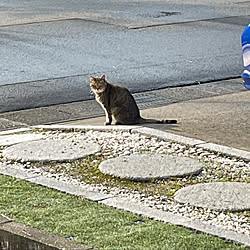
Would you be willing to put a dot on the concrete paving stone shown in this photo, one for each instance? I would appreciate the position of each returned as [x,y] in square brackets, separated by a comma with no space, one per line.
[148,166]
[7,140]
[50,150]
[222,196]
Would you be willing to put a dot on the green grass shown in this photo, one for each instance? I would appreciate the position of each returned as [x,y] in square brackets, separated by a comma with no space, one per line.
[93,224]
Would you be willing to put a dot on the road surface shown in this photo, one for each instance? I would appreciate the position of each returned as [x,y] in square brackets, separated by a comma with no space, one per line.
[50,48]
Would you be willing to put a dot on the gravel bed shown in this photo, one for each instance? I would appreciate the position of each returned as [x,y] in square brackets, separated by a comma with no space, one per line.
[117,143]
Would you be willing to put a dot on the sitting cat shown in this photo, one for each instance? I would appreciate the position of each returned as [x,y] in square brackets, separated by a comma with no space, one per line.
[118,102]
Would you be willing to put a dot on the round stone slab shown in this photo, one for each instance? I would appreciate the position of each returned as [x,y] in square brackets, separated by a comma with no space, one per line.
[222,196]
[140,167]
[50,150]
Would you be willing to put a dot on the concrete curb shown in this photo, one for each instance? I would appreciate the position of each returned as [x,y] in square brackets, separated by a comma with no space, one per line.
[53,183]
[238,153]
[87,127]
[15,131]
[124,203]
[37,236]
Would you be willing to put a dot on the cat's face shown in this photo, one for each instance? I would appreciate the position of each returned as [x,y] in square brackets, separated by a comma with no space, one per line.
[98,84]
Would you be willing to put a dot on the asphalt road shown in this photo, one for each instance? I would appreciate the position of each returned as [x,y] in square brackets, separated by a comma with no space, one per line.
[49,48]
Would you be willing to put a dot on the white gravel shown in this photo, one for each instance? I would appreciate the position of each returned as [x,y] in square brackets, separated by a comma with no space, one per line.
[218,168]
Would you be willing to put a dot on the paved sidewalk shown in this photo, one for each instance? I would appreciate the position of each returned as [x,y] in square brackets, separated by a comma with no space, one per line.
[221,119]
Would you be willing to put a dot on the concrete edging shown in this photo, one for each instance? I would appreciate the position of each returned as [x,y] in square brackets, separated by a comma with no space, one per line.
[156,133]
[38,236]
[15,131]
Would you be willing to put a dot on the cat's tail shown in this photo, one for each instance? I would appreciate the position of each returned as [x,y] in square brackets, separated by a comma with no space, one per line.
[144,120]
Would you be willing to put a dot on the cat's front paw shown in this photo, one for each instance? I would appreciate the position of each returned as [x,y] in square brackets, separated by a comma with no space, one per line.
[107,123]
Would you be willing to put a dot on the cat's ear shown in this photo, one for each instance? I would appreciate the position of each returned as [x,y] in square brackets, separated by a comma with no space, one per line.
[91,78]
[103,77]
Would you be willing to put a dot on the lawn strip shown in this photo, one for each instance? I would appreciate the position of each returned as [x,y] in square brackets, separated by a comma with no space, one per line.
[93,224]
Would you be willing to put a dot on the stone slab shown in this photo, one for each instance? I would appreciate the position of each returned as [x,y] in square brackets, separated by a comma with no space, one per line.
[149,166]
[222,196]
[7,140]
[51,150]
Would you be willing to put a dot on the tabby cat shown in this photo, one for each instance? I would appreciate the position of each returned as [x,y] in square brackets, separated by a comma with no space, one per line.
[118,102]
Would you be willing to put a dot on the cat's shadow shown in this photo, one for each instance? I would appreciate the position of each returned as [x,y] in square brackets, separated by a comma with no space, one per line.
[163,127]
